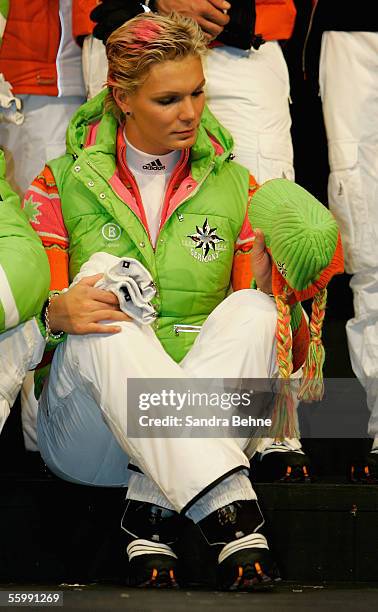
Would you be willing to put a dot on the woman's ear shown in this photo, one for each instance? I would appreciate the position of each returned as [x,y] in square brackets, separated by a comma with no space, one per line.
[122,100]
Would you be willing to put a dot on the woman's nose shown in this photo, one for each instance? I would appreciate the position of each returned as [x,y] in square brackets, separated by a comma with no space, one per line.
[187,110]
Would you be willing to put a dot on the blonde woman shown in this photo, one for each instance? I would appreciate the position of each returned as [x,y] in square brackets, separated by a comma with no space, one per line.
[148,174]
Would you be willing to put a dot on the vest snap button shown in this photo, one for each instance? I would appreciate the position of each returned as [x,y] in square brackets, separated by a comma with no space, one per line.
[77,168]
[90,183]
[142,244]
[102,196]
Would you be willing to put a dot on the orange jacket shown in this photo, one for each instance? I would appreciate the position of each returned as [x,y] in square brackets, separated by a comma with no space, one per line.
[274,18]
[81,24]
[31,40]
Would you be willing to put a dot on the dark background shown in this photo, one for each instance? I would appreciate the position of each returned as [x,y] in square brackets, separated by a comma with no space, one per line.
[330,458]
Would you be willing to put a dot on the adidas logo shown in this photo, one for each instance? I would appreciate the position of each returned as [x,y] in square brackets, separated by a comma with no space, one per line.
[154,165]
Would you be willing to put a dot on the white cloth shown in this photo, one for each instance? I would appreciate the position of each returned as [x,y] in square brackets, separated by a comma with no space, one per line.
[41,137]
[21,349]
[95,66]
[349,91]
[82,421]
[128,279]
[248,91]
[68,61]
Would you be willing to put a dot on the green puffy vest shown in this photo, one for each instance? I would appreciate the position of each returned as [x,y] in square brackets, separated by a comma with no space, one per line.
[24,267]
[191,278]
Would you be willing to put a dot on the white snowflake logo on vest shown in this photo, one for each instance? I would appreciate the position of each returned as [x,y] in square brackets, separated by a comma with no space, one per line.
[205,238]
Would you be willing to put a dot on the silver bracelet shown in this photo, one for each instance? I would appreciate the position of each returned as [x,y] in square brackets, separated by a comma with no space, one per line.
[49,333]
[271,295]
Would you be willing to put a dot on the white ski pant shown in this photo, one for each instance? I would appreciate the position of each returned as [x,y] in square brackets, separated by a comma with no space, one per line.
[349,91]
[82,420]
[41,137]
[248,91]
[21,349]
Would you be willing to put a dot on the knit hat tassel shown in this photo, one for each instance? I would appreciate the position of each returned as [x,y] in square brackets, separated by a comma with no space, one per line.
[284,416]
[312,385]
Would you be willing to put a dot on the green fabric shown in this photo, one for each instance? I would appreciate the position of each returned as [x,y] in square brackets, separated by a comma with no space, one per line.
[24,267]
[189,285]
[300,232]
[296,313]
[4,8]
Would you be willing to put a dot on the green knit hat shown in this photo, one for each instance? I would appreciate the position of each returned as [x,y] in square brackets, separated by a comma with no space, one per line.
[301,235]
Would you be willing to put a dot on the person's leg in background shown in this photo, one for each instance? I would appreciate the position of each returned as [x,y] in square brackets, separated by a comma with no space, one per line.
[21,349]
[349,91]
[41,136]
[249,91]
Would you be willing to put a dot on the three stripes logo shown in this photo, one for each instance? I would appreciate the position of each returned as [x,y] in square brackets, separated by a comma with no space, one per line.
[154,165]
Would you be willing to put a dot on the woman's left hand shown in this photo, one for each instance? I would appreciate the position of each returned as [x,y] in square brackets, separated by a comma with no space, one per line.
[261,263]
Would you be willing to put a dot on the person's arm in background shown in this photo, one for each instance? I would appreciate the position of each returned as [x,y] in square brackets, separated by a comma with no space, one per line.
[24,269]
[110,14]
[209,14]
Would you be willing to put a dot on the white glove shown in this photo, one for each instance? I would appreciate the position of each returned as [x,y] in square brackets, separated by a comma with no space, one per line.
[132,283]
[128,279]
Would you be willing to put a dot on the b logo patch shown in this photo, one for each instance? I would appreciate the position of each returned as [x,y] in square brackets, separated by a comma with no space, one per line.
[111,231]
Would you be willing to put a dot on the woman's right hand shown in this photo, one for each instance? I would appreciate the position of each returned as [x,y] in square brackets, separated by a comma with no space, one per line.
[79,310]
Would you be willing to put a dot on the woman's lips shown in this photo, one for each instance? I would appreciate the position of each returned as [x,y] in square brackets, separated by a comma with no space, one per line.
[185,132]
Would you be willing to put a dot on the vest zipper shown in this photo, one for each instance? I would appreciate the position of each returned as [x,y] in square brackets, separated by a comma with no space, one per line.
[59,53]
[199,185]
[186,329]
[307,37]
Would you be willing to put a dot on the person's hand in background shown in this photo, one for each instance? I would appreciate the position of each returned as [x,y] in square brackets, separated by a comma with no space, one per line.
[209,14]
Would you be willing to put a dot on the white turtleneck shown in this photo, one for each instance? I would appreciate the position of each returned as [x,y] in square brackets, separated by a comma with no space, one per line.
[152,174]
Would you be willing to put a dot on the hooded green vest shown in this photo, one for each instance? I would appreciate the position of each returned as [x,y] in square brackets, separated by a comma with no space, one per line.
[193,257]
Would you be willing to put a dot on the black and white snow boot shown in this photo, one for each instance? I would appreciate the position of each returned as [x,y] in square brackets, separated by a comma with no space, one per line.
[151,531]
[283,461]
[365,470]
[244,561]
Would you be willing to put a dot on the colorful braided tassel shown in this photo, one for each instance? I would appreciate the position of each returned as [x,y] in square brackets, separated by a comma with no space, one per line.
[312,385]
[284,416]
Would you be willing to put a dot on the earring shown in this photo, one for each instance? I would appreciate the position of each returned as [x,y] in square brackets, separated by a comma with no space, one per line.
[128,113]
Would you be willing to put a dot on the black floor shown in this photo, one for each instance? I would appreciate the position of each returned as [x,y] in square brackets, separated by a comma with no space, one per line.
[286,597]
